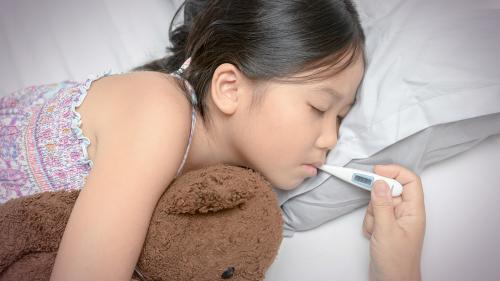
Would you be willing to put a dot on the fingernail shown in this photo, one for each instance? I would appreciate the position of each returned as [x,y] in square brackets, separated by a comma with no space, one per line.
[381,188]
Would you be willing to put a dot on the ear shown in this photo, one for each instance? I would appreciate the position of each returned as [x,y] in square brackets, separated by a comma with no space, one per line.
[227,88]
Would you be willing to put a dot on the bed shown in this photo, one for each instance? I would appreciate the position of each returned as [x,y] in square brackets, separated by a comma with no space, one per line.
[51,40]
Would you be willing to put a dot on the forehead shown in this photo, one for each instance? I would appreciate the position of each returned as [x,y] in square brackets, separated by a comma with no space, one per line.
[341,85]
[352,61]
[348,79]
[348,69]
[352,73]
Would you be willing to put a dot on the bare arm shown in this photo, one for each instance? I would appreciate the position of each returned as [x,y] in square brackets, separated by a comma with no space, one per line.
[136,160]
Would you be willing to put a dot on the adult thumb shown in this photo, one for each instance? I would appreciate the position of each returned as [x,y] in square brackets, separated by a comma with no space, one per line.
[383,207]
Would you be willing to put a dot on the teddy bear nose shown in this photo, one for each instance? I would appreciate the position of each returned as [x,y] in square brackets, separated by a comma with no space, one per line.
[228,273]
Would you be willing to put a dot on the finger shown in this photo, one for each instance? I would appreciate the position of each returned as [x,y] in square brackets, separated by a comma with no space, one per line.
[383,207]
[412,184]
[369,209]
[366,234]
[368,225]
[397,200]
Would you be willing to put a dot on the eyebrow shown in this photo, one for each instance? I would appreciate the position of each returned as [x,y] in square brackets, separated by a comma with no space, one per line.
[333,92]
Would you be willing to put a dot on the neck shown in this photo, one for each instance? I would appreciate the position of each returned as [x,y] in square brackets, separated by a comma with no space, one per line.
[210,147]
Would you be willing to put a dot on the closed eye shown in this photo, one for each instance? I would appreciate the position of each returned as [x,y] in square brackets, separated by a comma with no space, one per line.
[318,111]
[322,112]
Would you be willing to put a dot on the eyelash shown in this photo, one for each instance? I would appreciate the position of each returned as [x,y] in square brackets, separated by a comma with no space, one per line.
[321,112]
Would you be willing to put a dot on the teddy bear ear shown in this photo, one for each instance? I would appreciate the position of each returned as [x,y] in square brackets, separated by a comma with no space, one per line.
[211,189]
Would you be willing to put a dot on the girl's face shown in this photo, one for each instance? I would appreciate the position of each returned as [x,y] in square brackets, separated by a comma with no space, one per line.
[288,134]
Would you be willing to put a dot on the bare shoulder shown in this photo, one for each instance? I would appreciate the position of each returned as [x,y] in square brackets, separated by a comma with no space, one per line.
[143,112]
[125,96]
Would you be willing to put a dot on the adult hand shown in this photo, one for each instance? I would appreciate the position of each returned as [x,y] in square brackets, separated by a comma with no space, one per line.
[395,226]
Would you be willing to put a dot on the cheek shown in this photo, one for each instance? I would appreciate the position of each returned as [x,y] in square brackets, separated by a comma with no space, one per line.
[281,142]
[291,131]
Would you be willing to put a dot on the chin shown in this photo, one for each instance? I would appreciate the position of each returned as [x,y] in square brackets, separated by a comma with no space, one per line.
[287,181]
[290,185]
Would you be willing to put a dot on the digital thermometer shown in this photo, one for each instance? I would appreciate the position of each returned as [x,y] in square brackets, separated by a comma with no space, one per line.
[362,178]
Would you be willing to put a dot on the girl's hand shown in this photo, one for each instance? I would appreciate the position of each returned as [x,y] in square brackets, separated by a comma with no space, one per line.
[395,226]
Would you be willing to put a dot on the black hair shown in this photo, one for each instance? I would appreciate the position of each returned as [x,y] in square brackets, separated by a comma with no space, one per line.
[264,39]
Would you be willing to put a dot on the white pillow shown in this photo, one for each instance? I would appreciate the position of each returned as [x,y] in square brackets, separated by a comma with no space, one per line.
[431,91]
[429,62]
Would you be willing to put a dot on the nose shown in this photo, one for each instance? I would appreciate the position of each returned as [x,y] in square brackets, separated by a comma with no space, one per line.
[328,138]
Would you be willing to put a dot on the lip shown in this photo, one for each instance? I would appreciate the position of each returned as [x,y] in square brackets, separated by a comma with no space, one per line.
[312,170]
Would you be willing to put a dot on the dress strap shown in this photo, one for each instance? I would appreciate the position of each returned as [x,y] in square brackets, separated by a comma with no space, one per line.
[193,124]
[194,101]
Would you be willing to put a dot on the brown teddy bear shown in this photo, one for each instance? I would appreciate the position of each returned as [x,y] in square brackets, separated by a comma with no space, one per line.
[221,222]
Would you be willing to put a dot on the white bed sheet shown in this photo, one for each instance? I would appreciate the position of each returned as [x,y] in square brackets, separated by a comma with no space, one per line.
[52,40]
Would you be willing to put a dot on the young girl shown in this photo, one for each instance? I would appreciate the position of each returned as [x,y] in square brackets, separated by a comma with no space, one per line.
[260,84]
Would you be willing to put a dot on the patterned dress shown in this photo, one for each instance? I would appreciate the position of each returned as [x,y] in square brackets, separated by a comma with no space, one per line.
[42,147]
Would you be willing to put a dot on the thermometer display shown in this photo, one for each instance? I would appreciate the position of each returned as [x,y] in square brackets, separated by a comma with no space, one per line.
[362,179]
